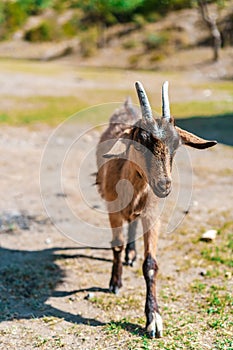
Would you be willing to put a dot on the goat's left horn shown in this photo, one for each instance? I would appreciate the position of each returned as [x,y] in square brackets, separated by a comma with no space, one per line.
[144,102]
[165,101]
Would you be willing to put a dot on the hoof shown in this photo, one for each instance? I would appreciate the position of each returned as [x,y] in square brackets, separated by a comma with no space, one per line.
[114,289]
[130,258]
[155,328]
[129,262]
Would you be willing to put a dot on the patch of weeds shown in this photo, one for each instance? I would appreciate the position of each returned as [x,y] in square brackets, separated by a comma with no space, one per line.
[224,344]
[218,323]
[222,252]
[40,341]
[198,286]
[114,327]
[214,272]
[109,302]
[217,302]
[51,320]
[217,254]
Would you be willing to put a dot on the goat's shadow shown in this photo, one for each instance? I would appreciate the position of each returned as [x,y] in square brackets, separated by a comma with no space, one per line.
[29,278]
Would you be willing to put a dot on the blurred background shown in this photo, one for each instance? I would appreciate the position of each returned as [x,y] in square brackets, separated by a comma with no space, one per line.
[59,56]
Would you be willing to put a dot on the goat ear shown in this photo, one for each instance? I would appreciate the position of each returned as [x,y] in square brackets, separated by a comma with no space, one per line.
[194,141]
[120,146]
[118,149]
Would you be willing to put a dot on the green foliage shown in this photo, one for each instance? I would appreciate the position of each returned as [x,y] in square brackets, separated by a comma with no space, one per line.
[14,13]
[111,10]
[89,41]
[72,26]
[33,7]
[46,31]
[155,40]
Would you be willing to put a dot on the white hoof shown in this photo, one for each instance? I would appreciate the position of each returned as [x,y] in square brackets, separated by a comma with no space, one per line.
[155,328]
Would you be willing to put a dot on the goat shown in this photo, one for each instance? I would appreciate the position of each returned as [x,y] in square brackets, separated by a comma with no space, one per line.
[139,150]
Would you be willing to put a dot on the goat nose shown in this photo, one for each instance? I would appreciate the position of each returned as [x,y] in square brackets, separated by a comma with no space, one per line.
[164,184]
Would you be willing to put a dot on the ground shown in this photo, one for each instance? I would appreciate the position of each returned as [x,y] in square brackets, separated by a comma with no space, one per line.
[53,290]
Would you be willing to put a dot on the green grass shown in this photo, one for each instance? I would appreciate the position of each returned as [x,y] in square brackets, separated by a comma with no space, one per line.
[53,110]
[30,67]
[19,110]
[200,108]
[216,86]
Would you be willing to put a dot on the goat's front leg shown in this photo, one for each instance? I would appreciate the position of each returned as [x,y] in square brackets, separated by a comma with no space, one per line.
[154,324]
[130,250]
[117,248]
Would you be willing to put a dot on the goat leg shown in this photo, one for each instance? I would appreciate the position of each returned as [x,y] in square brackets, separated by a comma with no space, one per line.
[117,248]
[115,282]
[130,250]
[154,324]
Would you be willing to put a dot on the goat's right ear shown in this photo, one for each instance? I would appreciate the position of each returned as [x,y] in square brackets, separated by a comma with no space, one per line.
[120,146]
[118,150]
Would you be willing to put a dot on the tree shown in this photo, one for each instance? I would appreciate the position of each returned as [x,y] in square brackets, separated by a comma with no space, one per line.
[210,20]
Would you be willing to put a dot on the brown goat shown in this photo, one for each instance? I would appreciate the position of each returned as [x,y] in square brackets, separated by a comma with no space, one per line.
[134,159]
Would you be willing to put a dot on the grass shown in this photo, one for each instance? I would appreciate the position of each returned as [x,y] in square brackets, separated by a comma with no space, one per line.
[43,109]
[29,67]
[95,86]
[201,108]
[54,110]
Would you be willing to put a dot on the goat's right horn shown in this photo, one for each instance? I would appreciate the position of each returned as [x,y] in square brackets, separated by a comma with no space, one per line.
[165,102]
[144,102]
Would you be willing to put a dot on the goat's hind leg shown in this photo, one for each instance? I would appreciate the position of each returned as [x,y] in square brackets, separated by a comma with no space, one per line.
[117,248]
[130,250]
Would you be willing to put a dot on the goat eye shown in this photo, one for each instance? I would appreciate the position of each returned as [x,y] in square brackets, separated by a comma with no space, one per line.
[144,135]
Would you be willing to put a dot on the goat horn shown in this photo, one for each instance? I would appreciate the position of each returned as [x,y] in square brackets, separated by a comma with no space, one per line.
[144,102]
[165,101]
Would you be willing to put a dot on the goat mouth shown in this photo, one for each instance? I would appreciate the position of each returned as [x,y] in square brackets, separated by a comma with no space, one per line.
[161,194]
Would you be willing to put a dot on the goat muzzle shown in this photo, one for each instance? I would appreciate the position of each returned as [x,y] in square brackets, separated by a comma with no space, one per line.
[162,188]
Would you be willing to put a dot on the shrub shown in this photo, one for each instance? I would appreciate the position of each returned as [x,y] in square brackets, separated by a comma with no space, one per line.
[155,41]
[12,16]
[72,26]
[46,31]
[129,44]
[88,42]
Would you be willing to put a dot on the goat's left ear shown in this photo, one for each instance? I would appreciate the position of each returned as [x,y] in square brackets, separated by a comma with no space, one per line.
[194,141]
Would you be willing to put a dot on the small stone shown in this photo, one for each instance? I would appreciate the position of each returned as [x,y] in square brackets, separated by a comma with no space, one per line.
[89,296]
[207,92]
[209,236]
[48,240]
[203,272]
[228,275]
